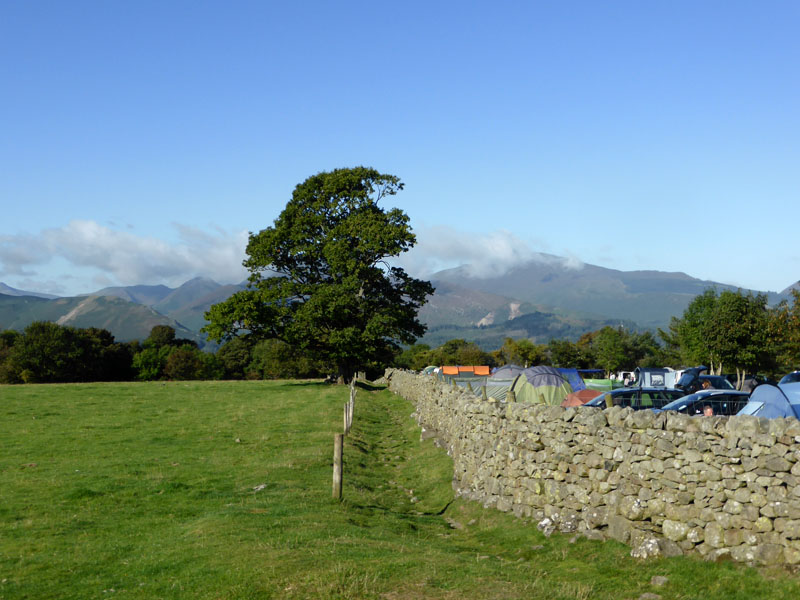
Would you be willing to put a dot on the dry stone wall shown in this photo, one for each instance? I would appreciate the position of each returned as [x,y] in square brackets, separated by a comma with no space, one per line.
[665,483]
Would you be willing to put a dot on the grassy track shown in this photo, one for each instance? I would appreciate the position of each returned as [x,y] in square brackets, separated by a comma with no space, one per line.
[222,490]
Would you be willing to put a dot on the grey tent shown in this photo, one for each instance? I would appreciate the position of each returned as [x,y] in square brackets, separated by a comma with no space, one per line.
[500,381]
[507,372]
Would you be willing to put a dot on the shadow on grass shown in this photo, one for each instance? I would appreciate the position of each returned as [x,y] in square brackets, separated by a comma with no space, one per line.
[410,514]
[369,386]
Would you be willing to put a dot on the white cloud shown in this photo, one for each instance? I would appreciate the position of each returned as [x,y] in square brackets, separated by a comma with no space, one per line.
[123,258]
[84,256]
[482,255]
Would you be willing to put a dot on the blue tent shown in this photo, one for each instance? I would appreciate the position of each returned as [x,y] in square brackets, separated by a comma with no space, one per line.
[574,378]
[774,401]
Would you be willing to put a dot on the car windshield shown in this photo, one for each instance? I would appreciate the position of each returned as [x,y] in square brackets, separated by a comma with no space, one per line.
[718,382]
[638,398]
[599,401]
[657,398]
[717,404]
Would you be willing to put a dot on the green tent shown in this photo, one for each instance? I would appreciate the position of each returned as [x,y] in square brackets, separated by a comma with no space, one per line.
[603,385]
[541,385]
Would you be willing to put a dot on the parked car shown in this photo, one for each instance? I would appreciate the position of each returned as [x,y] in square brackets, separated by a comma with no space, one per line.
[718,382]
[692,380]
[637,398]
[724,403]
[792,377]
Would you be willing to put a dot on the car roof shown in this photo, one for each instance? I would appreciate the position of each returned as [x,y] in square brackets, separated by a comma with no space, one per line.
[635,388]
[702,395]
[716,392]
[600,399]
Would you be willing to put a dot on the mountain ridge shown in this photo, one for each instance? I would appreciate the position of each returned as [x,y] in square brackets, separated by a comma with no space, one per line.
[543,298]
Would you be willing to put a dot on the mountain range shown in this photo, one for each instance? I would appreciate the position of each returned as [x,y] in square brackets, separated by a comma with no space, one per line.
[128,312]
[545,298]
[551,297]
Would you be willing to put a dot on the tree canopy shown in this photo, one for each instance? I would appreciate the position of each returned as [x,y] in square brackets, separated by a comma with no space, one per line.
[319,279]
[729,329]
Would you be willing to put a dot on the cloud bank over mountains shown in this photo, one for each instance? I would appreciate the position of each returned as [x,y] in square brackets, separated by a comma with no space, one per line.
[483,255]
[84,255]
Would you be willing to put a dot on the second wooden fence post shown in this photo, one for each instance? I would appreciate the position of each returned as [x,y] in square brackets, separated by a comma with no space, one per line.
[337,465]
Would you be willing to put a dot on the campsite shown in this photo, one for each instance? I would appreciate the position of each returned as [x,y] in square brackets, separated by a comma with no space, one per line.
[647,388]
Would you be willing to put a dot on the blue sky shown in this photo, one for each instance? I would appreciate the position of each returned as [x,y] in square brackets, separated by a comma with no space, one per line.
[141,141]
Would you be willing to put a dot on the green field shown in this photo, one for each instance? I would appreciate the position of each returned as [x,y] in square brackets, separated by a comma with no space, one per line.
[223,490]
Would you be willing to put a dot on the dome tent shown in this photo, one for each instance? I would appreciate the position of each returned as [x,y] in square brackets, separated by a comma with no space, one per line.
[541,385]
[509,372]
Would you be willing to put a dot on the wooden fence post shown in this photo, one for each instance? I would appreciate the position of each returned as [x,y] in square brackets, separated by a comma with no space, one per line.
[511,396]
[484,395]
[337,465]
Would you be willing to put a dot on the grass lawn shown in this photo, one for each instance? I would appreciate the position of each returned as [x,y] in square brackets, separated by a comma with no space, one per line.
[223,490]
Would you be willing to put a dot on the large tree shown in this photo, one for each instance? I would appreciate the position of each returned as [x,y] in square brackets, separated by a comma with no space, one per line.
[319,279]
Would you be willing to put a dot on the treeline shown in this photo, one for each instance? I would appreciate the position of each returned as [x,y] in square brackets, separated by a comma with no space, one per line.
[727,331]
[46,352]
[611,349]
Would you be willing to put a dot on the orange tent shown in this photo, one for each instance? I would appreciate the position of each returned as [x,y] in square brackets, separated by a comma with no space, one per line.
[482,371]
[449,370]
[580,397]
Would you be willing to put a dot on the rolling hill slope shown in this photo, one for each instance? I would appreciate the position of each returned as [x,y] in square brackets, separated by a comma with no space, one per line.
[125,320]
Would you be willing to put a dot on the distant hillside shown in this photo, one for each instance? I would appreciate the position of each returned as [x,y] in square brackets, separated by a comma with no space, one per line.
[539,327]
[455,304]
[129,312]
[787,292]
[125,320]
[187,294]
[10,291]
[648,298]
[141,294]
[192,312]
[189,303]
[186,304]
